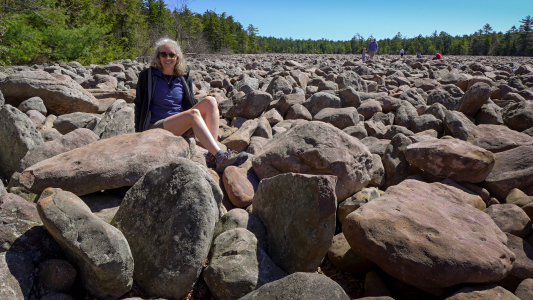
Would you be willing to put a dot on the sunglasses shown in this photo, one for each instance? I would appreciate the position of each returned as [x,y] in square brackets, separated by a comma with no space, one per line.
[165,55]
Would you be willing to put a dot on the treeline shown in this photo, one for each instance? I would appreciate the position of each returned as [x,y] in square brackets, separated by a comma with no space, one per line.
[515,41]
[99,31]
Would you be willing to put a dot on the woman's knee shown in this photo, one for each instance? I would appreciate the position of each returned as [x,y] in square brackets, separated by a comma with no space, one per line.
[194,113]
[211,101]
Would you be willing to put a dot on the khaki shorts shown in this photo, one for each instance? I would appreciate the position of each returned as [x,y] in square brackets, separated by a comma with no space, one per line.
[157,124]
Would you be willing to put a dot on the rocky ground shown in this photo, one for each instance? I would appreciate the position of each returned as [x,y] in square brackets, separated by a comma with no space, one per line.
[389,179]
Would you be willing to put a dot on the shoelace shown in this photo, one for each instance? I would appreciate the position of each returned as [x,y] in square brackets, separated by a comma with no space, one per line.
[227,155]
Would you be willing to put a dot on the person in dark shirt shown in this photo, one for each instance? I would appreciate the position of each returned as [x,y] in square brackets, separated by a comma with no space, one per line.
[170,104]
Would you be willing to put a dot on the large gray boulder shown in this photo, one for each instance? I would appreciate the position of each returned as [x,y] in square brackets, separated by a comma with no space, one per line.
[322,100]
[338,117]
[511,219]
[34,103]
[99,250]
[512,169]
[279,84]
[299,231]
[416,228]
[451,158]
[250,106]
[441,96]
[237,265]
[17,136]
[70,122]
[105,164]
[518,116]
[60,94]
[317,148]
[300,286]
[351,79]
[169,255]
[240,218]
[118,119]
[474,98]
[405,114]
[458,124]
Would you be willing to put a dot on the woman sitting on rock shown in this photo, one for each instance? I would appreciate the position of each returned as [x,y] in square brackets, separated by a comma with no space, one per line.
[165,100]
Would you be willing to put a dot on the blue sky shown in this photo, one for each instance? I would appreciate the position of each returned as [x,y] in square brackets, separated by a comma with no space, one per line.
[341,19]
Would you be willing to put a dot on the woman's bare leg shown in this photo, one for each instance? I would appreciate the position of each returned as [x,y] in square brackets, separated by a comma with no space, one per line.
[208,108]
[192,118]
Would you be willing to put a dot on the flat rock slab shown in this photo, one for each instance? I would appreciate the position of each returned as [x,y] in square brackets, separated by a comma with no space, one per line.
[300,286]
[317,148]
[416,228]
[60,94]
[298,211]
[497,138]
[99,250]
[169,217]
[451,158]
[106,164]
[512,169]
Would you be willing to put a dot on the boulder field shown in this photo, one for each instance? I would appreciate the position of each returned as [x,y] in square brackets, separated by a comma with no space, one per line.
[397,178]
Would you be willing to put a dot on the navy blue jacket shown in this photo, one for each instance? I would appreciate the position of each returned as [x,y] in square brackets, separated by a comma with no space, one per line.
[142,101]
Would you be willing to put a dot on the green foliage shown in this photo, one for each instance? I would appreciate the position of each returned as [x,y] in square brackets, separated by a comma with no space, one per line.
[99,31]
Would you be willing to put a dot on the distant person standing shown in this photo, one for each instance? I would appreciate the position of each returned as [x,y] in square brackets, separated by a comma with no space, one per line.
[401,53]
[373,48]
[364,54]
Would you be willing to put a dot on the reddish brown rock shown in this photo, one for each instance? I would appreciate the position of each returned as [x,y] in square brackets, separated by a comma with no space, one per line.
[489,291]
[416,228]
[451,158]
[497,138]
[511,219]
[523,265]
[240,185]
[474,98]
[240,140]
[512,169]
[106,164]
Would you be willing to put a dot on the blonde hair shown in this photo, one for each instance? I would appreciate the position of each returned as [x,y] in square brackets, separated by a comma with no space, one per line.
[181,66]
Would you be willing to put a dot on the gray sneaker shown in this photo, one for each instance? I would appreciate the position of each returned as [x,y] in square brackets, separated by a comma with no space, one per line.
[230,158]
[210,160]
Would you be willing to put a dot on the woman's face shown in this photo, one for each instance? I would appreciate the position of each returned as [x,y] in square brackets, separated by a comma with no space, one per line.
[168,62]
